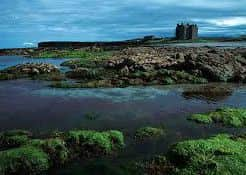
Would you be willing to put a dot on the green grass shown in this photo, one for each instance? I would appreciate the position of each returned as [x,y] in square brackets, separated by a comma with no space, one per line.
[233,117]
[71,53]
[79,57]
[218,155]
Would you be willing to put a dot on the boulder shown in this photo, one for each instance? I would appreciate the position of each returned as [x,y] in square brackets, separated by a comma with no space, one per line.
[31,69]
[82,73]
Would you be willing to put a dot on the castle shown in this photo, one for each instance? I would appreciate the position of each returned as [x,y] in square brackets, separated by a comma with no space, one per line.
[186,31]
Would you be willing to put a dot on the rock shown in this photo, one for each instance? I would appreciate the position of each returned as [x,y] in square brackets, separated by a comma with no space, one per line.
[149,133]
[180,56]
[82,73]
[147,67]
[23,154]
[216,67]
[35,71]
[214,64]
[232,117]
[208,92]
[31,69]
[124,71]
[221,154]
[143,58]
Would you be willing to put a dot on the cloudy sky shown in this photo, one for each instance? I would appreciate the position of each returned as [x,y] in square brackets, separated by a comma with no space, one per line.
[23,22]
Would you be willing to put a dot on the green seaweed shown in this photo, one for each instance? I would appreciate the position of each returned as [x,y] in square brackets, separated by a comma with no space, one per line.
[23,160]
[15,138]
[234,117]
[56,76]
[65,85]
[157,165]
[88,142]
[201,118]
[91,116]
[218,155]
[55,148]
[105,167]
[149,132]
[7,76]
[33,156]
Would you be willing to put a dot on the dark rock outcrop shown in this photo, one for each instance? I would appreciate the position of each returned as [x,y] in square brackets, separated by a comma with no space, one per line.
[31,69]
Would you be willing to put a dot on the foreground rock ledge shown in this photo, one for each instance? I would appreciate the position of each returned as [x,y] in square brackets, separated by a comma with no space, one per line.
[152,65]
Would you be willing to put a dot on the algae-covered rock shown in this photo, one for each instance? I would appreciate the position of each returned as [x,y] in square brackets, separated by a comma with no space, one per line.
[6,76]
[24,160]
[31,69]
[22,154]
[218,155]
[55,148]
[209,92]
[234,117]
[15,138]
[97,84]
[158,165]
[149,132]
[92,116]
[54,76]
[201,118]
[92,142]
[84,73]
[35,70]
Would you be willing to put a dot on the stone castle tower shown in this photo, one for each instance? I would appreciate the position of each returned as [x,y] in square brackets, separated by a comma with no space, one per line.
[186,31]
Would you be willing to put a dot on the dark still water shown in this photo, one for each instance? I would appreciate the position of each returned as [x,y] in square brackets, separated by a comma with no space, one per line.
[31,105]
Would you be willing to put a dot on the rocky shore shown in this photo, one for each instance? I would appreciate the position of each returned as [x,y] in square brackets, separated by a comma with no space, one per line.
[154,66]
[28,70]
[94,67]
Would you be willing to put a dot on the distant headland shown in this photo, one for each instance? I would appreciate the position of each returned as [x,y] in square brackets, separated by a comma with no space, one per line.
[185,33]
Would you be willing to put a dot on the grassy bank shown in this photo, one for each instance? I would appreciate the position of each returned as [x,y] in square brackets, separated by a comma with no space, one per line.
[71,53]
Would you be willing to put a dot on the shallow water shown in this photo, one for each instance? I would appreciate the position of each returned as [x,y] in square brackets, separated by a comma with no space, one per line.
[7,61]
[32,105]
[241,44]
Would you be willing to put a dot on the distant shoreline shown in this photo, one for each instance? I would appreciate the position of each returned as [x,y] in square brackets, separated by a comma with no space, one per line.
[135,42]
[145,41]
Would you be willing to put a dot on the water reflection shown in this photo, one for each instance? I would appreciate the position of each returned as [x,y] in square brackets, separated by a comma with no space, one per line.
[115,95]
[210,92]
[31,105]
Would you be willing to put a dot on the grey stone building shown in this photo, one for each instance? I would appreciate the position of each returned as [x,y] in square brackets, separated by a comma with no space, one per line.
[186,31]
